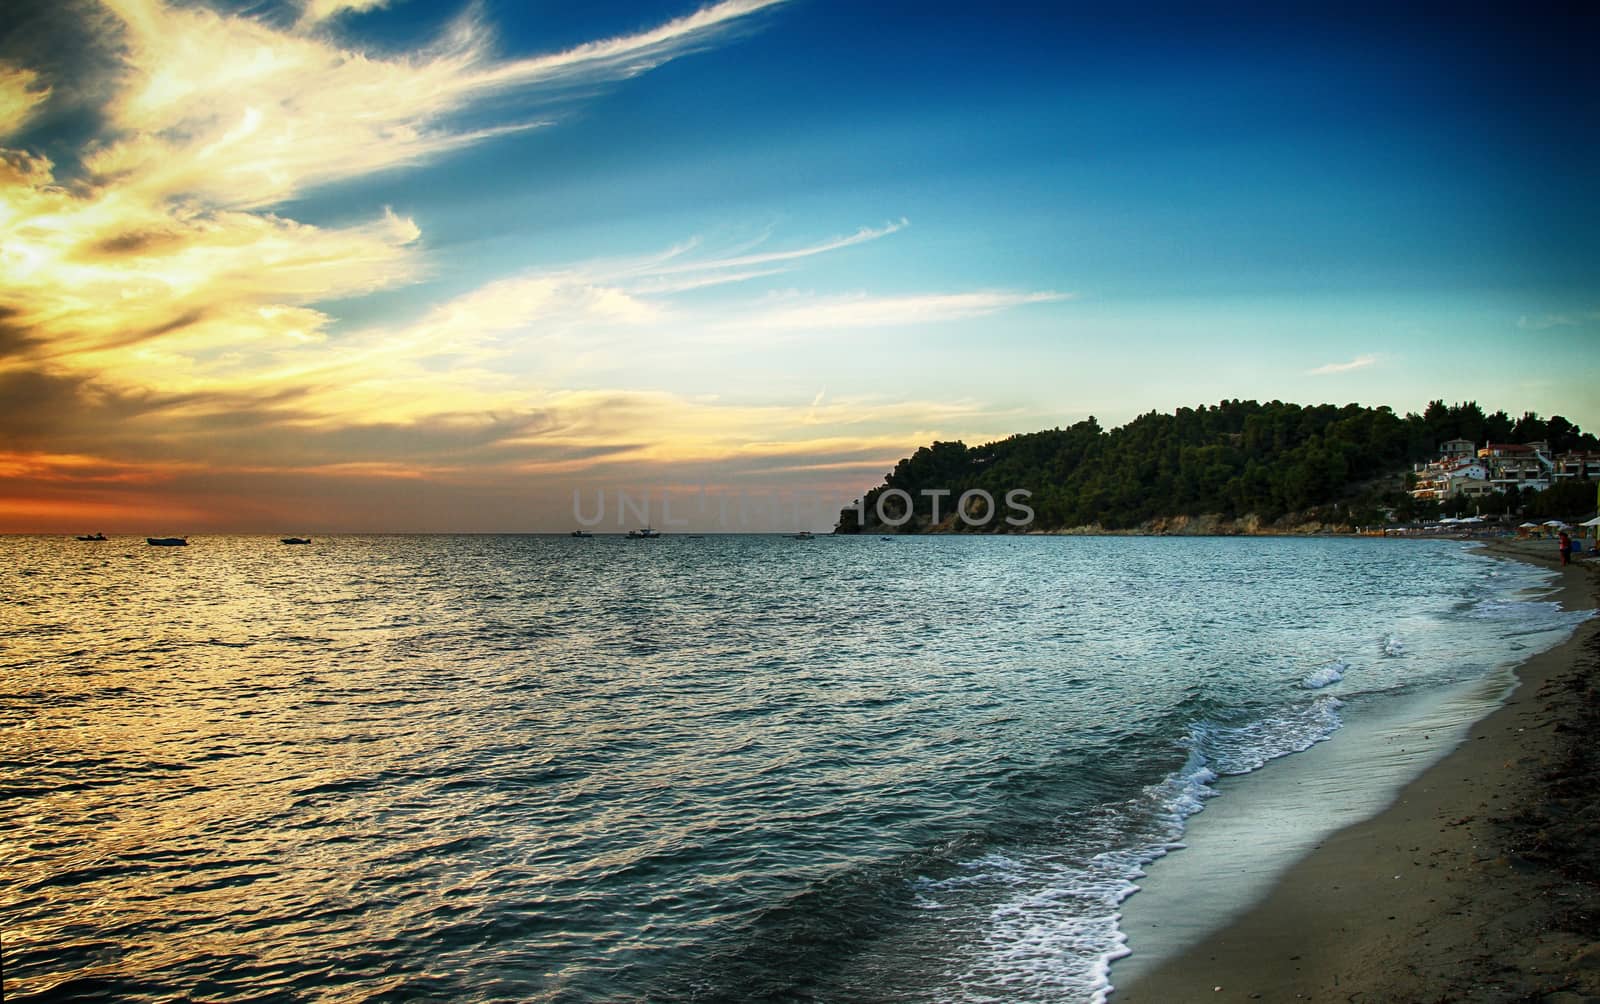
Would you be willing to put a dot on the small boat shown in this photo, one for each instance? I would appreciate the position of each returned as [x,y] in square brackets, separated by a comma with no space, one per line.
[582,533]
[167,541]
[94,536]
[644,533]
[803,535]
[296,540]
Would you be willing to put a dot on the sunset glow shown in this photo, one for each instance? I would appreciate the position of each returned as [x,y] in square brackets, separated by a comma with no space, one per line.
[263,264]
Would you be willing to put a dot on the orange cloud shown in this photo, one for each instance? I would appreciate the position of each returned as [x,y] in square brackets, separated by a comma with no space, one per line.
[166,332]
[21,95]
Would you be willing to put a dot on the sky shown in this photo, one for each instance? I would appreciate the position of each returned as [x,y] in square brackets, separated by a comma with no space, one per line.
[356,265]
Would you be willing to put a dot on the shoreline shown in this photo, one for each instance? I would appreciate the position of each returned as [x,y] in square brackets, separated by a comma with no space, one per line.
[1480,881]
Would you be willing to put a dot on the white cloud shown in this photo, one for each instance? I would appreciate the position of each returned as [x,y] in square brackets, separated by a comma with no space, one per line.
[1547,321]
[677,271]
[666,285]
[317,11]
[740,261]
[803,312]
[1358,363]
[94,272]
[243,114]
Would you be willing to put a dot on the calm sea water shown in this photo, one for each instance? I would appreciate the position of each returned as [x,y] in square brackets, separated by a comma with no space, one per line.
[733,768]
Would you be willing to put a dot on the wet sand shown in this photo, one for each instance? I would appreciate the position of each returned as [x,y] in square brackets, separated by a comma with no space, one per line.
[1480,883]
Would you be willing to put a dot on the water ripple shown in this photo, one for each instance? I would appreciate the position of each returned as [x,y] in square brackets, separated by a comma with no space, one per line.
[531,768]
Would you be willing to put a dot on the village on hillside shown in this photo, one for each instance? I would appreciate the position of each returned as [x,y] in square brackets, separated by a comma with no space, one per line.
[1464,472]
[1464,469]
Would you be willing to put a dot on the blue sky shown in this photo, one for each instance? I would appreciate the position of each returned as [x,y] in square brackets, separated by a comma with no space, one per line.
[1305,190]
[506,250]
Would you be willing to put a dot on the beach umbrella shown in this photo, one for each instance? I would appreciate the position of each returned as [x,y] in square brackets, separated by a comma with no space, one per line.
[1591,522]
[1530,526]
[1554,522]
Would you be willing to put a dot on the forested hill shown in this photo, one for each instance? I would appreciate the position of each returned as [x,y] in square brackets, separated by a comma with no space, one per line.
[1271,462]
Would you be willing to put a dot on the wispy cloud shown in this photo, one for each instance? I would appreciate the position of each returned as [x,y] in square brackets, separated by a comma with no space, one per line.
[794,311]
[687,283]
[687,266]
[162,231]
[743,261]
[1546,321]
[317,11]
[487,341]
[194,118]
[1358,363]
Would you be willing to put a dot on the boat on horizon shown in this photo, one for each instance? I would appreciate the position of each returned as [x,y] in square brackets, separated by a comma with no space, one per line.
[93,536]
[167,541]
[296,540]
[644,533]
[803,535]
[582,533]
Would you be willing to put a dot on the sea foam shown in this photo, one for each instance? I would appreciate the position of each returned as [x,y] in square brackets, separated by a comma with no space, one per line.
[1325,675]
[1055,927]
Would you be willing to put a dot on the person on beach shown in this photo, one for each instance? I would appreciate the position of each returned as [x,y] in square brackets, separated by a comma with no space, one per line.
[1565,547]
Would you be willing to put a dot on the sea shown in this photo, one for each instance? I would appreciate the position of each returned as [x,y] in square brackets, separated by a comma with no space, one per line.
[729,768]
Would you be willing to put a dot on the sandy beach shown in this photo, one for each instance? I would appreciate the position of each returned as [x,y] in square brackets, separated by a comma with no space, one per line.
[1481,882]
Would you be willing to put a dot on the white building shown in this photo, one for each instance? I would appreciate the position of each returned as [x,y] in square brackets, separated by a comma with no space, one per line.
[1498,467]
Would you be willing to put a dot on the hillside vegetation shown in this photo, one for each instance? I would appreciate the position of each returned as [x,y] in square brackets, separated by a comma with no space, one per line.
[1237,465]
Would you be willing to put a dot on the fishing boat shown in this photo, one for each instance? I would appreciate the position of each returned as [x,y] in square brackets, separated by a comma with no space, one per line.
[582,533]
[644,533]
[296,540]
[803,535]
[93,536]
[167,541]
